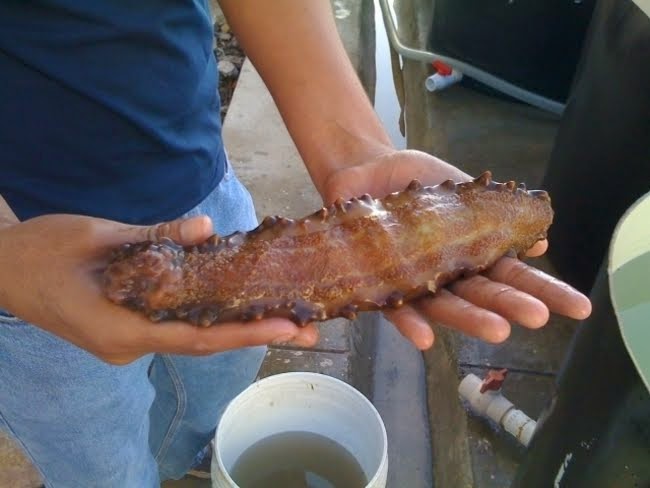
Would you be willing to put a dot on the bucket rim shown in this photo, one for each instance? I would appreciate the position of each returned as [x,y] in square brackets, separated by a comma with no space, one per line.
[302,375]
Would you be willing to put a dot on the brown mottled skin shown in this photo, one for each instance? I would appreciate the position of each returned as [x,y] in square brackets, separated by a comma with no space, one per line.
[359,255]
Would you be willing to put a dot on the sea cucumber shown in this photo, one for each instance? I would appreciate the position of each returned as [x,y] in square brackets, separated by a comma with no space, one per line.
[362,254]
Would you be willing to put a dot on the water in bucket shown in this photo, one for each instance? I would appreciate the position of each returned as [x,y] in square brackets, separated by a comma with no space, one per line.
[298,460]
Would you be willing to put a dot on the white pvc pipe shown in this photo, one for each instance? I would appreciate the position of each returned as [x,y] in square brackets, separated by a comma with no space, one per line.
[437,82]
[494,405]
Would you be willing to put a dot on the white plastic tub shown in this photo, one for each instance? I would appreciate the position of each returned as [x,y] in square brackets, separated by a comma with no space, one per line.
[300,401]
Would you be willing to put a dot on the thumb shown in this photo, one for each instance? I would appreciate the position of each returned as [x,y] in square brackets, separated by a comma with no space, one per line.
[539,248]
[186,232]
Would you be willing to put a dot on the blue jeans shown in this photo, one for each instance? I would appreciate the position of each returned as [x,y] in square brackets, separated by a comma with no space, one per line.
[85,423]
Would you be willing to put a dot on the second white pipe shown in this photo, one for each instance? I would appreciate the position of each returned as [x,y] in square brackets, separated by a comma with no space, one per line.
[494,405]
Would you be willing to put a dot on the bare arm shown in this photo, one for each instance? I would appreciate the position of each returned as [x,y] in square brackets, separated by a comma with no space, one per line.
[296,48]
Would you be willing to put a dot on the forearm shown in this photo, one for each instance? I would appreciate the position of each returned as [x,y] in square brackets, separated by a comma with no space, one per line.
[296,48]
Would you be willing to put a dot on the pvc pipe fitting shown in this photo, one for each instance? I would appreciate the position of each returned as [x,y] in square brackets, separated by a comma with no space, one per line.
[439,81]
[494,405]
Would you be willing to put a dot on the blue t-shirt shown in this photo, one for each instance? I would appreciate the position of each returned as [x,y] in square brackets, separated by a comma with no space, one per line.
[108,108]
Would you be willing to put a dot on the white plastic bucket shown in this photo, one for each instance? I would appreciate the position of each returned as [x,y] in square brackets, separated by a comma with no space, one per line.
[301,401]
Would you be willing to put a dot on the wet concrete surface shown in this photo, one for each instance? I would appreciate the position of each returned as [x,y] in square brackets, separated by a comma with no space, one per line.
[399,394]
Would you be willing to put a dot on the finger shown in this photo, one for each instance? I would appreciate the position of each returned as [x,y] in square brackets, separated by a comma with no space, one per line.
[558,296]
[138,333]
[456,313]
[182,338]
[539,248]
[307,336]
[510,303]
[184,231]
[124,332]
[187,232]
[412,326]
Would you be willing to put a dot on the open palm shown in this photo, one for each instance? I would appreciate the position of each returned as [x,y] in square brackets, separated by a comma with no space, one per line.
[482,306]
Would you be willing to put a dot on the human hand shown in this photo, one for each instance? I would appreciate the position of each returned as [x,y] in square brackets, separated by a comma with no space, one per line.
[51,268]
[481,306]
